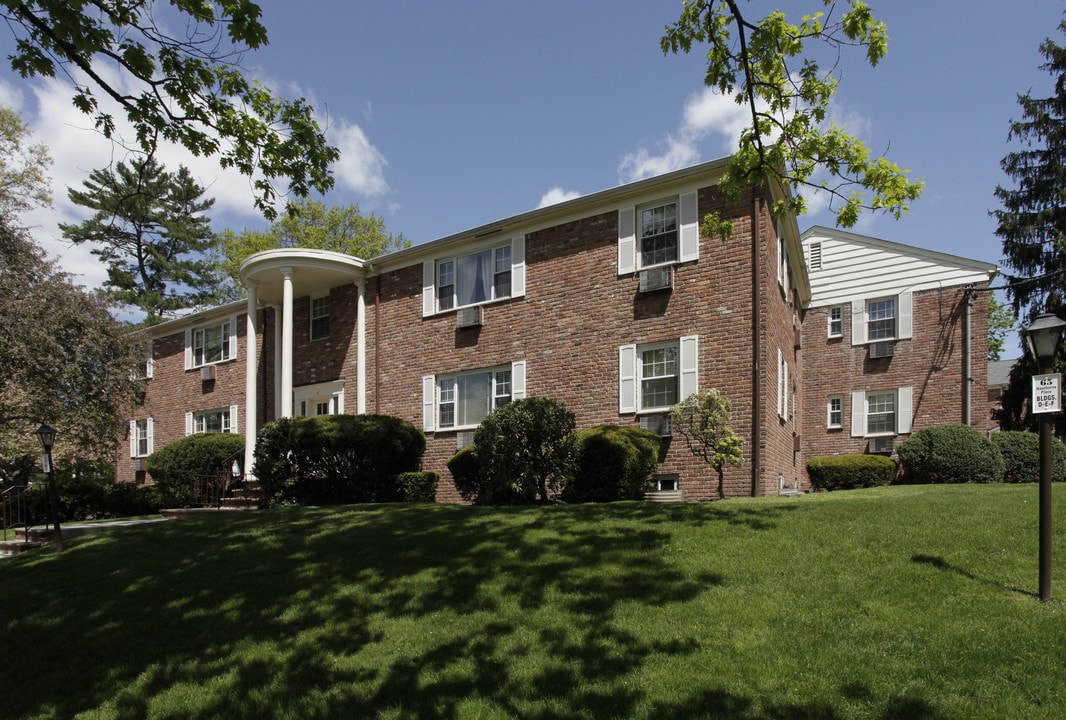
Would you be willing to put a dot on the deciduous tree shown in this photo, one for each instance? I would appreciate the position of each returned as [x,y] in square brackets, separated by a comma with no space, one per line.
[770,67]
[703,420]
[149,226]
[182,60]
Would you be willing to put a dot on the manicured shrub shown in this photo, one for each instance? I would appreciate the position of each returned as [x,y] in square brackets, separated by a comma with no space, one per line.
[614,463]
[336,458]
[525,451]
[952,453]
[419,486]
[180,465]
[1021,456]
[466,473]
[846,472]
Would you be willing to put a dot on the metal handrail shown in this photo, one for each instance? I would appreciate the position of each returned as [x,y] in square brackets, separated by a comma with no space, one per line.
[18,493]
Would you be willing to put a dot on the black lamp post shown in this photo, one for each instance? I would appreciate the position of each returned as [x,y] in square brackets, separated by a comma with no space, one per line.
[47,436]
[1043,336]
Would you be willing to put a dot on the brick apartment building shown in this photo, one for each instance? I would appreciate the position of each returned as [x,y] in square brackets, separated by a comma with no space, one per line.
[612,303]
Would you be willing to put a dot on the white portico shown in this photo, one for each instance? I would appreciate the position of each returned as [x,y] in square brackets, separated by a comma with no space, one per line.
[276,278]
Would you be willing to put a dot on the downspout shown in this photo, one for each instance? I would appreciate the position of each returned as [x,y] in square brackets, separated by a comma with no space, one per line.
[967,367]
[756,352]
[377,346]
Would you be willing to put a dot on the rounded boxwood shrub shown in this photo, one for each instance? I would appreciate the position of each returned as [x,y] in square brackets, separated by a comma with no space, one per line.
[176,468]
[953,453]
[846,472]
[336,458]
[614,463]
[466,473]
[1021,456]
[418,486]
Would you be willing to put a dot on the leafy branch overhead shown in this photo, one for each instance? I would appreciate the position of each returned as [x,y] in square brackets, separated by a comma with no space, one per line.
[185,87]
[770,67]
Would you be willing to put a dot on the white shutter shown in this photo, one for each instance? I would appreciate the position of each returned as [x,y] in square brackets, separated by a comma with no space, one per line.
[780,259]
[690,228]
[784,395]
[518,266]
[151,435]
[858,322]
[904,411]
[627,379]
[905,323]
[234,427]
[188,423]
[518,380]
[188,349]
[149,361]
[858,414]
[232,338]
[429,282]
[133,438]
[780,382]
[627,241]
[689,366]
[429,397]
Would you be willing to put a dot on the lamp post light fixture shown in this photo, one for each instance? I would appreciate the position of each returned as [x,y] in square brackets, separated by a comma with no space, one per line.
[47,436]
[1043,337]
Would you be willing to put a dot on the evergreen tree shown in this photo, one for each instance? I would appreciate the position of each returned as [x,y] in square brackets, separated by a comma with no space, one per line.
[1032,220]
[149,227]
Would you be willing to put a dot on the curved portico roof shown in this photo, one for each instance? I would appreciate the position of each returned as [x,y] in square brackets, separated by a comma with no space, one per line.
[312,271]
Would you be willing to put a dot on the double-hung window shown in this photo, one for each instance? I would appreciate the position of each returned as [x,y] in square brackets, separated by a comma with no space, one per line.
[881,412]
[835,410]
[655,377]
[209,344]
[658,235]
[881,319]
[222,420]
[476,278]
[462,400]
[836,321]
[141,432]
[320,317]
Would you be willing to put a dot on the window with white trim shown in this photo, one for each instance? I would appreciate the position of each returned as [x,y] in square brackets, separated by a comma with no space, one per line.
[211,344]
[141,440]
[658,234]
[146,367]
[320,317]
[836,321]
[783,387]
[835,412]
[881,319]
[884,412]
[473,279]
[319,399]
[462,400]
[223,420]
[656,376]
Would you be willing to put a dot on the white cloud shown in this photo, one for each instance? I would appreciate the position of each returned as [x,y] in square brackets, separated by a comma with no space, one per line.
[557,195]
[361,166]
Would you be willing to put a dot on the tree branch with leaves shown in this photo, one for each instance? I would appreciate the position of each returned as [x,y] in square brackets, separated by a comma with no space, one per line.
[703,420]
[189,89]
[769,66]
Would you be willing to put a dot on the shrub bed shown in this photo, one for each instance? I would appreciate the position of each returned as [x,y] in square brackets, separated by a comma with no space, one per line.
[952,453]
[1021,456]
[176,468]
[614,463]
[846,472]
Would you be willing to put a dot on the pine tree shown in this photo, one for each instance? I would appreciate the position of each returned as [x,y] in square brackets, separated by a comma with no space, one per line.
[149,227]
[1032,220]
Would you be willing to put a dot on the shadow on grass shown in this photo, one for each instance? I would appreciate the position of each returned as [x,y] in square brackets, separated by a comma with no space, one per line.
[941,564]
[399,612]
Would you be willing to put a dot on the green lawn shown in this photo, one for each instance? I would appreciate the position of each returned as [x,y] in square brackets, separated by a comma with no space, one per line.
[908,602]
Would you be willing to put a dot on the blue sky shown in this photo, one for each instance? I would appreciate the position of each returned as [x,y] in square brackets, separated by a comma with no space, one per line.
[451,115]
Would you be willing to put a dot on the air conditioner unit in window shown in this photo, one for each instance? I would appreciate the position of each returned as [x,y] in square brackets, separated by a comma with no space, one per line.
[469,317]
[463,439]
[658,424]
[882,445]
[138,464]
[882,349]
[656,279]
[207,372]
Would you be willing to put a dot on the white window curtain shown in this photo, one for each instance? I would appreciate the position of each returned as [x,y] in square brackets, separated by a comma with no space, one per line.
[474,274]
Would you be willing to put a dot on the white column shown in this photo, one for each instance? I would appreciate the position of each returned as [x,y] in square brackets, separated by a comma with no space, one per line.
[360,350]
[286,343]
[251,384]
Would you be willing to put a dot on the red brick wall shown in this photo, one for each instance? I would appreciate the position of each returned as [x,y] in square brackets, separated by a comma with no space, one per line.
[568,327]
[931,362]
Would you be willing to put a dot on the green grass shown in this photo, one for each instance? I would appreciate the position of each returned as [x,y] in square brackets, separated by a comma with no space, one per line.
[908,602]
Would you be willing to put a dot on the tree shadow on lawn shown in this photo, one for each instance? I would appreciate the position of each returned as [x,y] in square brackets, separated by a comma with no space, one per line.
[407,611]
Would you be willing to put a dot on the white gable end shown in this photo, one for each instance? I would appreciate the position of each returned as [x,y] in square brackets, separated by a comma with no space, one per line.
[853,266]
